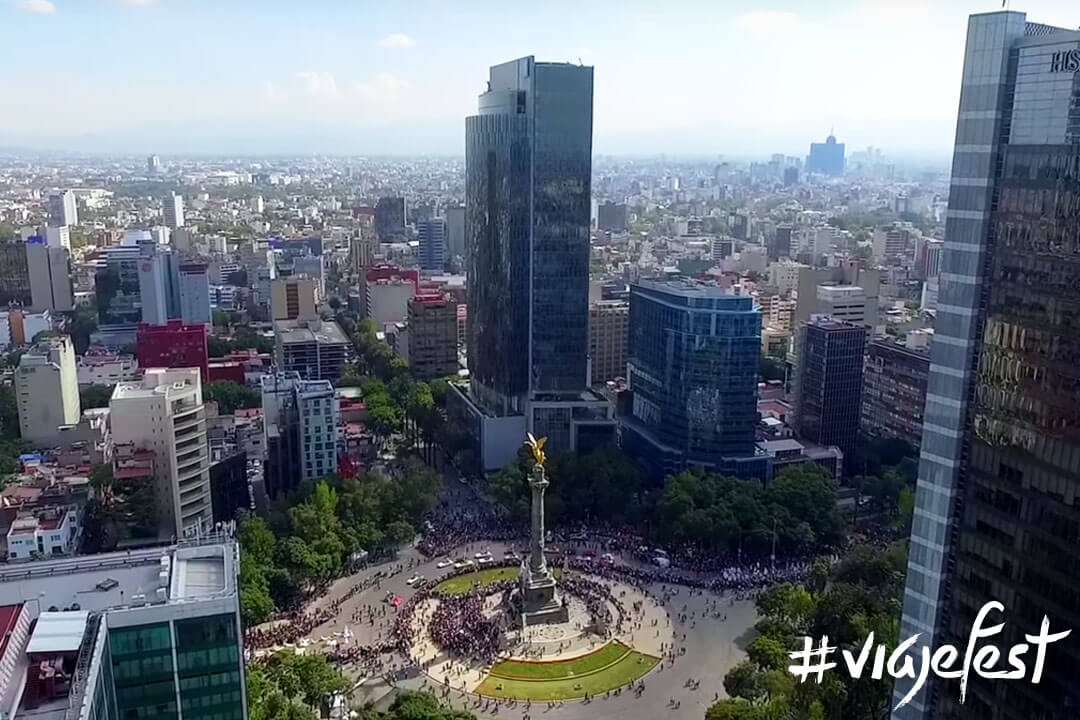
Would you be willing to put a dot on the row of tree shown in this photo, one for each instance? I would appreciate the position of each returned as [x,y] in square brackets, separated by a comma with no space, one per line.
[694,509]
[859,595]
[698,509]
[312,535]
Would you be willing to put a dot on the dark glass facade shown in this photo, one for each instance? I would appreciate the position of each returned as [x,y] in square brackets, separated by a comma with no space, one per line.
[116,285]
[693,370]
[208,668]
[830,383]
[894,391]
[497,160]
[14,275]
[389,218]
[143,672]
[996,505]
[528,186]
[229,487]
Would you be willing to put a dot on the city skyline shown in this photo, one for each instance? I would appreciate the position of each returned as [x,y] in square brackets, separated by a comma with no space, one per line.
[335,79]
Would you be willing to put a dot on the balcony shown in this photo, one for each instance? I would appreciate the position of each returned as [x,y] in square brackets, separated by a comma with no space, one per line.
[193,470]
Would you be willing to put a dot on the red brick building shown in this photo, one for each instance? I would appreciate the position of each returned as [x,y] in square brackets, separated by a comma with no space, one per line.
[174,345]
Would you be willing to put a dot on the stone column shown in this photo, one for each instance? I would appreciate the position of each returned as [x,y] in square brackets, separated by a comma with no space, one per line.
[537,482]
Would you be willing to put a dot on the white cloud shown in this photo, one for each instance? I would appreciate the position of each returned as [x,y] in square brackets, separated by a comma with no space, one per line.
[320,85]
[271,93]
[397,41]
[891,12]
[385,87]
[764,21]
[42,7]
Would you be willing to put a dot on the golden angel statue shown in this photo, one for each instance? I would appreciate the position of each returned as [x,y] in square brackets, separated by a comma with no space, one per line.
[536,447]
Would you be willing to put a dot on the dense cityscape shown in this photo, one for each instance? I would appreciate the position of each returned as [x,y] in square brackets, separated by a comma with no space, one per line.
[542,432]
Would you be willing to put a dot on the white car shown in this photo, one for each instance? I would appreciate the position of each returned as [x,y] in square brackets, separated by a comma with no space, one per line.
[442,564]
[462,564]
[482,555]
[413,580]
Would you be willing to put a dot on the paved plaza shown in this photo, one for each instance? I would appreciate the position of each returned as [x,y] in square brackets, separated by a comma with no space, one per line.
[699,636]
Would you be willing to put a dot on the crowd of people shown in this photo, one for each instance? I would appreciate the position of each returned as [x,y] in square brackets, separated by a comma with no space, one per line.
[288,628]
[460,627]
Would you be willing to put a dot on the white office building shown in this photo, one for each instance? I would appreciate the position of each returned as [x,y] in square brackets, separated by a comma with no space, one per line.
[174,211]
[164,414]
[47,390]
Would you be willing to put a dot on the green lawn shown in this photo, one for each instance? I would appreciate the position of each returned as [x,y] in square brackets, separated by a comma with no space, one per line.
[559,669]
[489,576]
[621,668]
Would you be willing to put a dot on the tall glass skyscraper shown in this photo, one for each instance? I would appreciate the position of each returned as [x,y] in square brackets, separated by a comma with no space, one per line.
[693,371]
[996,514]
[528,166]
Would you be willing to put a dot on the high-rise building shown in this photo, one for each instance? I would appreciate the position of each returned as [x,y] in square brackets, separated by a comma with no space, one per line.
[51,286]
[153,164]
[455,232]
[116,287]
[432,236]
[611,217]
[692,370]
[173,345]
[229,493]
[316,349]
[826,158]
[928,262]
[173,211]
[159,288]
[294,298]
[828,384]
[995,505]
[609,330]
[300,423]
[389,218]
[57,236]
[432,350]
[164,413]
[842,302]
[894,388]
[62,209]
[47,390]
[194,287]
[387,291]
[781,244]
[14,275]
[528,174]
[133,634]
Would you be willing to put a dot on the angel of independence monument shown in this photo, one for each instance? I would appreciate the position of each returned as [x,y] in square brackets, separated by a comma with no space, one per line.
[540,601]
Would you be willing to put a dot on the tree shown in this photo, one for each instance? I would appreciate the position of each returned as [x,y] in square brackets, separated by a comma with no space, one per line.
[9,414]
[772,369]
[95,396]
[82,323]
[744,681]
[232,396]
[423,706]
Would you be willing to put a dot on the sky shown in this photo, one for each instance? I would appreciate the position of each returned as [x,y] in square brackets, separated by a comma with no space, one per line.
[397,77]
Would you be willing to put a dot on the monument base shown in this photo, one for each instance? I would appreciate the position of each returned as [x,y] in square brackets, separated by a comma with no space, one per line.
[540,602]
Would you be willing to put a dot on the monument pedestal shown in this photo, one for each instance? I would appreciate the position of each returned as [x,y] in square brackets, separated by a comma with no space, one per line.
[540,603]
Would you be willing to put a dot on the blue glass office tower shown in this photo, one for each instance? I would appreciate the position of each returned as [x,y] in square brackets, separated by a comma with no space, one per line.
[528,168]
[693,372]
[996,505]
[826,158]
[431,235]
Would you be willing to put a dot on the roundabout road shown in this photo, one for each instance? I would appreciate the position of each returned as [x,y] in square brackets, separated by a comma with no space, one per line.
[712,646]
